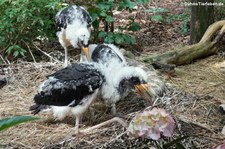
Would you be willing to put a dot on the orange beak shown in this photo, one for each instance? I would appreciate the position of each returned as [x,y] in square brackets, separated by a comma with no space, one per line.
[143,90]
[86,52]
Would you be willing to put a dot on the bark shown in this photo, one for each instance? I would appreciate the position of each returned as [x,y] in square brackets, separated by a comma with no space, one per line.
[208,45]
[201,17]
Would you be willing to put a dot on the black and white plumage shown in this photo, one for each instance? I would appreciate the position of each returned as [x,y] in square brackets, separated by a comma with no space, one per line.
[73,28]
[69,91]
[120,79]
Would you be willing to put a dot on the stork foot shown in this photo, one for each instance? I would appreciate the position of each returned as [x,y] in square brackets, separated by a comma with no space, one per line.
[65,64]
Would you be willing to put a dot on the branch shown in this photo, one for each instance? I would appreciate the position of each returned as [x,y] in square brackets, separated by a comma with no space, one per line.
[211,31]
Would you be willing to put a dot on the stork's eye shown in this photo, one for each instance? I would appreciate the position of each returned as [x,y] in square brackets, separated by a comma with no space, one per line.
[135,80]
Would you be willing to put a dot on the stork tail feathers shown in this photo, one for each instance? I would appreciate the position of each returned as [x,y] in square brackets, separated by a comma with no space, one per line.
[35,109]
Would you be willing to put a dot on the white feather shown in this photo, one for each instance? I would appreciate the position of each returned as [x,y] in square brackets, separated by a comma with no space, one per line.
[60,112]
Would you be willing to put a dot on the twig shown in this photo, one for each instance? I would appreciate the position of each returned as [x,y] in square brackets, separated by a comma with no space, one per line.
[8,62]
[210,109]
[115,119]
[116,138]
[30,51]
[3,59]
[46,54]
[185,120]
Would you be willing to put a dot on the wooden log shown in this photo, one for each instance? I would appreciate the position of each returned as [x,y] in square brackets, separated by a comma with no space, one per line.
[207,46]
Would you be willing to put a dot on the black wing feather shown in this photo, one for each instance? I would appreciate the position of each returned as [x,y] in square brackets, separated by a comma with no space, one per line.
[75,72]
[69,85]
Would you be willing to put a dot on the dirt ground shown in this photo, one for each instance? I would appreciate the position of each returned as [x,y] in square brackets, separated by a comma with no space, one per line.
[194,94]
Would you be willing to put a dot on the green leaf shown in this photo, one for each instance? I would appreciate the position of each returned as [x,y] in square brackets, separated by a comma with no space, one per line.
[102,14]
[109,19]
[126,4]
[129,39]
[170,144]
[109,38]
[142,1]
[157,10]
[15,53]
[180,146]
[184,27]
[12,121]
[157,18]
[22,53]
[95,24]
[94,16]
[102,34]
[118,38]
[134,27]
[105,5]
[41,22]
[9,50]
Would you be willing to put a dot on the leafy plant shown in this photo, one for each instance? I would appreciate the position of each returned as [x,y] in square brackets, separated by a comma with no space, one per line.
[185,16]
[159,17]
[12,121]
[157,14]
[23,21]
[102,14]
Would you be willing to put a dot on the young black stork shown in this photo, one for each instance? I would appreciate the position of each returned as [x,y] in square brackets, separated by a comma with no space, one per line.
[69,91]
[120,79]
[73,28]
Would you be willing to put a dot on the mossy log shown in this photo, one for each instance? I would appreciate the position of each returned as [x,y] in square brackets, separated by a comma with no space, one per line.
[208,45]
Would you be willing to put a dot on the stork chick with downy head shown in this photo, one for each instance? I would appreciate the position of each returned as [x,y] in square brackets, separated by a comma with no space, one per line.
[71,90]
[120,79]
[73,28]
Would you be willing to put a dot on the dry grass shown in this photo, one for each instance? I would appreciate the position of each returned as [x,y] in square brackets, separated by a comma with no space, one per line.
[204,80]
[17,97]
[194,102]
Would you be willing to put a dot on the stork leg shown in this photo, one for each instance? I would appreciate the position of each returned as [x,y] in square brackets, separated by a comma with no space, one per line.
[77,125]
[115,119]
[66,57]
[113,109]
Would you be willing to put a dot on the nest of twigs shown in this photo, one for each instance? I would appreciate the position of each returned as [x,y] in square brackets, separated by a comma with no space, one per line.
[197,115]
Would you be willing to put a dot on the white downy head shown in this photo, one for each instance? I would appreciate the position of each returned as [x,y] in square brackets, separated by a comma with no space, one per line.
[110,89]
[76,35]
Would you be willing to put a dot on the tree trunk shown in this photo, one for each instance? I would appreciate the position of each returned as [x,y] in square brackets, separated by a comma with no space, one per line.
[201,17]
[208,45]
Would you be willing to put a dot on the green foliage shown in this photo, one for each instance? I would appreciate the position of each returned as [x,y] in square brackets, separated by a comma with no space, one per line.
[102,15]
[23,21]
[12,121]
[16,50]
[185,16]
[157,14]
